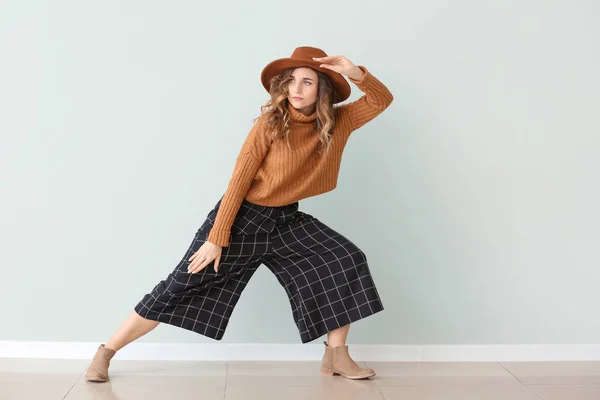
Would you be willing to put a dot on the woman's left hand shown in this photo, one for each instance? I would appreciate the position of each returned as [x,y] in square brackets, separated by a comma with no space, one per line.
[339,64]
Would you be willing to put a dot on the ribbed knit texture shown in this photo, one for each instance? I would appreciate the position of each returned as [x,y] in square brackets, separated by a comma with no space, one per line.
[270,174]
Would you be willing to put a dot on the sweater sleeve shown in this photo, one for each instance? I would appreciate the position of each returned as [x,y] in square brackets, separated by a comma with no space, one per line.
[375,99]
[247,164]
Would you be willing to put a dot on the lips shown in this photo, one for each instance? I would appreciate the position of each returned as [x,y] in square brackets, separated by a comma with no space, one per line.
[297,98]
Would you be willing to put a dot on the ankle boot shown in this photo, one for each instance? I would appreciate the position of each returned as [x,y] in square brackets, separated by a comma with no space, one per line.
[342,364]
[98,369]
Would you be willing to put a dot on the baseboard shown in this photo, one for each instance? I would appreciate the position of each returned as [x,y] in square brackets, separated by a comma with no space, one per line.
[303,352]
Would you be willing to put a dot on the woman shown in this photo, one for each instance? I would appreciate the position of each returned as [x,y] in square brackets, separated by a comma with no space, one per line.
[293,151]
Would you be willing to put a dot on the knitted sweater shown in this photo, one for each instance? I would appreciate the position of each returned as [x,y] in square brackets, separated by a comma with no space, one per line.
[269,174]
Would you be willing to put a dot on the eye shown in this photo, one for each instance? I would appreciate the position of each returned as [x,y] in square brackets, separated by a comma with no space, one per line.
[310,83]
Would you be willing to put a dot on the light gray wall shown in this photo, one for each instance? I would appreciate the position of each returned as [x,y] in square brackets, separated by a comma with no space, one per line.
[475,195]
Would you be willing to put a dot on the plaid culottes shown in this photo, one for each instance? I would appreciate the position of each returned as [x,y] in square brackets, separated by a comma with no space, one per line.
[325,275]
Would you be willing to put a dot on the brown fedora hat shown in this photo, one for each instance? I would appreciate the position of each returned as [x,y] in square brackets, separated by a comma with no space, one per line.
[303,57]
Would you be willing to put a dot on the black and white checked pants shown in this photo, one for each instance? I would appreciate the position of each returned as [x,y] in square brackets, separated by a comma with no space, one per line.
[325,275]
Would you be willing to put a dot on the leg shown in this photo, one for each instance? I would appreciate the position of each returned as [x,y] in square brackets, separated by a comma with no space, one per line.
[329,286]
[201,302]
[325,275]
[131,329]
[337,359]
[337,337]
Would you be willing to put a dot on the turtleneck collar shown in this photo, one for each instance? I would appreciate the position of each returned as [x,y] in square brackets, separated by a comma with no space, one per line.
[297,116]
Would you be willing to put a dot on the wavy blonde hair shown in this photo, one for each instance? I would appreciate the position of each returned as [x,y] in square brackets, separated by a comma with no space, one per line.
[277,117]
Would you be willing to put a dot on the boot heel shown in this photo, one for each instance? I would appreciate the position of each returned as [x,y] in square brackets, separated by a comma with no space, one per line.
[326,373]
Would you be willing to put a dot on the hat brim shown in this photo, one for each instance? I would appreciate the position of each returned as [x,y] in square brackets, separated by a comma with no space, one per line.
[342,87]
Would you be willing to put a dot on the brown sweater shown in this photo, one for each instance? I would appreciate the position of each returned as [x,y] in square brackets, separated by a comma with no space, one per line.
[269,174]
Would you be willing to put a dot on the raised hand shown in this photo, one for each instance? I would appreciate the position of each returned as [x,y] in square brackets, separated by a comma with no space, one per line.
[339,64]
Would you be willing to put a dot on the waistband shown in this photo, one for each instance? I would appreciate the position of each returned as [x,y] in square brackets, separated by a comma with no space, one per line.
[254,205]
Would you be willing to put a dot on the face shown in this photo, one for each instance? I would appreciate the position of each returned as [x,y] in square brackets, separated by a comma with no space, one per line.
[303,89]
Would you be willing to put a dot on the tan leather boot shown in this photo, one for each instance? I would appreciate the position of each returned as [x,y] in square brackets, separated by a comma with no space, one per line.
[343,364]
[98,369]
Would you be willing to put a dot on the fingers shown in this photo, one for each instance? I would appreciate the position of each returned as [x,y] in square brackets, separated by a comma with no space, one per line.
[202,258]
[196,254]
[333,63]
[200,261]
[326,58]
[197,267]
[194,265]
